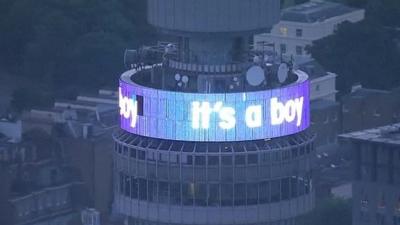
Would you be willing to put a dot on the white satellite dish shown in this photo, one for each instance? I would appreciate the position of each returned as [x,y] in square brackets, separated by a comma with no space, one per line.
[283,72]
[185,79]
[177,77]
[255,75]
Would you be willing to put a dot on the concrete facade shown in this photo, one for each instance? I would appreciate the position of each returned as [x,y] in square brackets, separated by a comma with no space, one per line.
[376,186]
[302,24]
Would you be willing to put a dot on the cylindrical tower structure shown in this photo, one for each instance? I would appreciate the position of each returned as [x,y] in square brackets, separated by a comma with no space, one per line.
[208,136]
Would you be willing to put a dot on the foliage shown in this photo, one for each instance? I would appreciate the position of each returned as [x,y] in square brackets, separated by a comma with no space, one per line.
[26,98]
[329,212]
[367,52]
[67,43]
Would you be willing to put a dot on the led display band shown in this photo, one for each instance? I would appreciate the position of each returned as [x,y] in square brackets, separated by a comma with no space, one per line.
[214,116]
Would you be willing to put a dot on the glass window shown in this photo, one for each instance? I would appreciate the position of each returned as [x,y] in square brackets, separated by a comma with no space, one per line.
[294,152]
[141,155]
[126,150]
[200,160]
[266,157]
[293,186]
[252,193]
[226,194]
[187,193]
[276,156]
[176,193]
[134,188]
[226,160]
[252,159]
[163,192]
[285,155]
[132,153]
[152,191]
[142,189]
[120,149]
[302,149]
[201,194]
[240,159]
[213,160]
[213,196]
[284,31]
[190,160]
[285,189]
[275,191]
[264,192]
[299,32]
[240,194]
[299,50]
[121,183]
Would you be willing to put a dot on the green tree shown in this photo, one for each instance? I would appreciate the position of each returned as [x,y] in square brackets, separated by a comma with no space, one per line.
[64,43]
[361,52]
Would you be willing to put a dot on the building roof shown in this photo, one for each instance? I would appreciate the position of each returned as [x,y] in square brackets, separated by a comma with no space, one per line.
[361,92]
[312,68]
[315,11]
[385,135]
[323,104]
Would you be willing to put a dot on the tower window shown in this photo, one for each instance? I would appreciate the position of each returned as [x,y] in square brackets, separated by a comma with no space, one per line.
[299,32]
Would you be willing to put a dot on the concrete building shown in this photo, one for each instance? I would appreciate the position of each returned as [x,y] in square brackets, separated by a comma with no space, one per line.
[376,186]
[302,24]
[83,128]
[366,108]
[177,160]
[326,122]
[36,186]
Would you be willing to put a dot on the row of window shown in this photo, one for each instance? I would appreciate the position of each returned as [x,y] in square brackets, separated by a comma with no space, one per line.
[284,31]
[202,194]
[214,160]
[299,49]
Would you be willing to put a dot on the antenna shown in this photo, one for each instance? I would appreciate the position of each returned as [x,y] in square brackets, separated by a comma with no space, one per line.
[255,75]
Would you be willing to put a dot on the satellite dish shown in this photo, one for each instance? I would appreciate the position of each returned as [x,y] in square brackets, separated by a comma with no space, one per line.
[185,79]
[255,75]
[283,72]
[177,77]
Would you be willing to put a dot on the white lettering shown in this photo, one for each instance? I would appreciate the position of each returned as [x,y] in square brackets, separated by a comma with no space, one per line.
[288,112]
[227,115]
[253,116]
[128,108]
[201,112]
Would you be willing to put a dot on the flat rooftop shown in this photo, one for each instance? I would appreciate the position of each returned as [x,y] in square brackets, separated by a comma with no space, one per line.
[315,11]
[385,135]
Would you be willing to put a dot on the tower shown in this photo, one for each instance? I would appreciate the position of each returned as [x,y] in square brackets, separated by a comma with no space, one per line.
[213,133]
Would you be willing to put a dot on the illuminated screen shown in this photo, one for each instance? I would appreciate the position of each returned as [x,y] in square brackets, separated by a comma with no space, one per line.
[214,117]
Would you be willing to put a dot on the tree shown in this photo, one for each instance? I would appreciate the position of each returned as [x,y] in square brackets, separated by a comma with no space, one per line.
[362,52]
[74,43]
[27,98]
[329,212]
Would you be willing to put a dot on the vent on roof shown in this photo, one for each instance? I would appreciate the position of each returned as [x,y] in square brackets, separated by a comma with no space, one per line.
[356,87]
